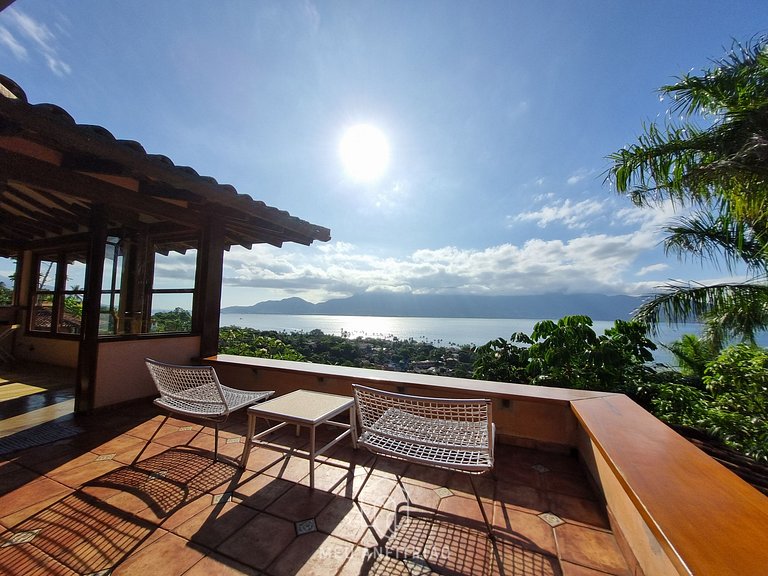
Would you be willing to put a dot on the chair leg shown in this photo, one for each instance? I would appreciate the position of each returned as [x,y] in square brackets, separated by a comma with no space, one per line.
[136,459]
[216,443]
[482,509]
[370,471]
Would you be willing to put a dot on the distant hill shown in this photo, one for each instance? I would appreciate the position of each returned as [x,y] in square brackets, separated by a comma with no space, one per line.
[596,306]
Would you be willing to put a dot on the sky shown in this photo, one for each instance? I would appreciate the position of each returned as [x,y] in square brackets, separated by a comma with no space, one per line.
[493,124]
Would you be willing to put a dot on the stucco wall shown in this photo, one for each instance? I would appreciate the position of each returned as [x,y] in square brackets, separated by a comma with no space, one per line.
[122,375]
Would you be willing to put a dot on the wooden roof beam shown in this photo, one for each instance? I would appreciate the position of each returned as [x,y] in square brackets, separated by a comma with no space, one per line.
[38,174]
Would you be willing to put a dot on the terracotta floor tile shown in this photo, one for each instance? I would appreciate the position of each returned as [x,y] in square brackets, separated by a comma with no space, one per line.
[14,476]
[167,556]
[426,476]
[218,565]
[329,478]
[65,462]
[378,491]
[458,549]
[465,510]
[313,554]
[515,558]
[27,560]
[22,514]
[379,565]
[517,472]
[259,541]
[300,503]
[31,494]
[346,519]
[176,437]
[460,485]
[421,495]
[403,532]
[524,528]
[292,469]
[144,430]
[568,484]
[118,445]
[579,510]
[259,491]
[214,524]
[591,548]
[261,459]
[361,561]
[142,451]
[389,467]
[85,534]
[526,498]
[186,512]
[570,569]
[76,477]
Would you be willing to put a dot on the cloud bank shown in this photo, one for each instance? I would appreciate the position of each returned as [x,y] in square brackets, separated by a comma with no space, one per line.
[588,262]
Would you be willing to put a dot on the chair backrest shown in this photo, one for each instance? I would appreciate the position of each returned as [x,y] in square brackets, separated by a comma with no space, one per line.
[188,388]
[373,404]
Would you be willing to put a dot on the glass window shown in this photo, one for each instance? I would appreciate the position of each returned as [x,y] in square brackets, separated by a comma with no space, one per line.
[173,288]
[134,300]
[44,300]
[7,281]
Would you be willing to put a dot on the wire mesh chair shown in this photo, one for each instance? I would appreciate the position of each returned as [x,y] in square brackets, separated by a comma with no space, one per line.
[195,392]
[450,433]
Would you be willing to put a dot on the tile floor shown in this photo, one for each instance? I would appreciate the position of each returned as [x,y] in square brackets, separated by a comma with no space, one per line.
[107,501]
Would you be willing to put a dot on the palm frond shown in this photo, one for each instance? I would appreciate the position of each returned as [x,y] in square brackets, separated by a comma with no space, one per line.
[678,303]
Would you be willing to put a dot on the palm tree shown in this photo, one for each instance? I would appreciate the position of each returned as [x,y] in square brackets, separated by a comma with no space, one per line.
[713,163]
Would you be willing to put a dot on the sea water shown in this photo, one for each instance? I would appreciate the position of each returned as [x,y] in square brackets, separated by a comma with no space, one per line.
[438,331]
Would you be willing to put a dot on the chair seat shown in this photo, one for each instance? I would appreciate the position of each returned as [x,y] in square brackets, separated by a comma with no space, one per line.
[458,445]
[237,399]
[234,399]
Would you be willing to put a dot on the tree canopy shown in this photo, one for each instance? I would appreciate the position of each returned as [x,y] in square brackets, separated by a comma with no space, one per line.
[713,163]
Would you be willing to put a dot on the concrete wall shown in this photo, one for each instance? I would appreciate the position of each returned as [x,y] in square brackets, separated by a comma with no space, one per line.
[122,375]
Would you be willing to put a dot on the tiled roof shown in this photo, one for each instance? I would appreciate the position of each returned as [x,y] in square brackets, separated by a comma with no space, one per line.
[56,171]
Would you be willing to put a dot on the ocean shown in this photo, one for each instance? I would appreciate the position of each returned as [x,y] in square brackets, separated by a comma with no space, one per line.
[439,331]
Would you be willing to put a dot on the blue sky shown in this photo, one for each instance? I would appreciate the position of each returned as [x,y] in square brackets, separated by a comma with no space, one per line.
[498,117]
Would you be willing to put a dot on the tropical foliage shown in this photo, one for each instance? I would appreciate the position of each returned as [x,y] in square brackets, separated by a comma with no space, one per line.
[569,354]
[176,320]
[6,295]
[250,342]
[320,348]
[712,163]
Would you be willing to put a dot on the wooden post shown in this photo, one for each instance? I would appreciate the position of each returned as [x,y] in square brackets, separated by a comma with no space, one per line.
[87,362]
[210,272]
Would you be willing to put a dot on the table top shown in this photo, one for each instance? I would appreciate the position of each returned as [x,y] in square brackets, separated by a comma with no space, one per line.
[303,406]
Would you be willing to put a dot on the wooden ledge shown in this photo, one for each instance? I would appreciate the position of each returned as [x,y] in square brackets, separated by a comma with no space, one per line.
[464,386]
[708,520]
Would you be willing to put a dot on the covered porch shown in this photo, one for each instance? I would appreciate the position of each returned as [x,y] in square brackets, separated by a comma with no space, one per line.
[89,220]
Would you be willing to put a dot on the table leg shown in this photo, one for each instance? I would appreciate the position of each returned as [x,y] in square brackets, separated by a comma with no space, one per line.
[248,441]
[312,457]
[353,426]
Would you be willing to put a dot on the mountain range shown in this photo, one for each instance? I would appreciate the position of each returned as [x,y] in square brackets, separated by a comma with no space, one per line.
[554,306]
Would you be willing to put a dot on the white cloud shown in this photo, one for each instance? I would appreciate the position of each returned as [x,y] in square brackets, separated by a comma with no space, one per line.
[578,176]
[8,39]
[38,34]
[573,215]
[652,268]
[588,263]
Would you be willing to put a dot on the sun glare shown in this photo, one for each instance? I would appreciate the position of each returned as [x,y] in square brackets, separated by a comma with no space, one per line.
[364,152]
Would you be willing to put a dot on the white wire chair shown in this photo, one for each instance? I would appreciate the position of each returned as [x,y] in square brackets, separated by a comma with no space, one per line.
[195,392]
[450,433]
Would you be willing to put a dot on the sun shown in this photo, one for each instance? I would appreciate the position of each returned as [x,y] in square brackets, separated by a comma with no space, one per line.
[364,152]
